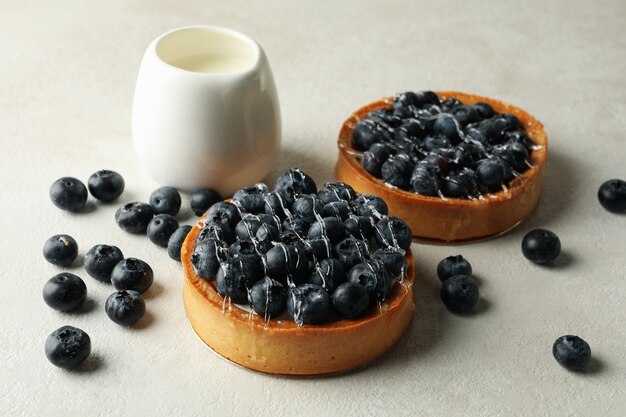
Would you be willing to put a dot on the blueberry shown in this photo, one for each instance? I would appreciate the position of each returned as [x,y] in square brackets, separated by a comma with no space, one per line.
[223,214]
[351,251]
[338,209]
[374,277]
[370,206]
[265,236]
[397,171]
[447,126]
[466,115]
[308,207]
[459,293]
[464,155]
[424,179]
[350,300]
[222,233]
[64,292]
[435,142]
[106,185]
[233,279]
[360,227]
[268,298]
[100,261]
[572,353]
[460,185]
[450,104]
[384,116]
[365,134]
[329,227]
[512,122]
[242,247]
[541,246]
[125,307]
[406,99]
[410,131]
[485,111]
[374,158]
[207,256]
[393,231]
[269,220]
[69,194]
[165,200]
[176,240]
[294,182]
[132,274]
[295,224]
[514,154]
[441,159]
[203,199]
[318,248]
[277,204]
[328,274]
[161,228]
[60,250]
[67,347]
[424,98]
[336,191]
[612,195]
[134,217]
[494,130]
[309,304]
[393,259]
[286,262]
[251,198]
[521,137]
[490,173]
[453,265]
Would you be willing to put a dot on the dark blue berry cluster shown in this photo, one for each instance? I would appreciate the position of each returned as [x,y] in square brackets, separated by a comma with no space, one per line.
[321,255]
[442,148]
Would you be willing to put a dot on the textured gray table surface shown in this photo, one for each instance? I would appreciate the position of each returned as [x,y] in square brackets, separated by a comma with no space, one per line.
[67,71]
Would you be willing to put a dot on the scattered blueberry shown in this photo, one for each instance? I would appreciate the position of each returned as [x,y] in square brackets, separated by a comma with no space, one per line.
[134,217]
[572,353]
[541,246]
[64,292]
[268,298]
[350,300]
[106,185]
[161,228]
[165,200]
[67,347]
[251,199]
[612,195]
[100,261]
[453,265]
[309,304]
[203,199]
[175,242]
[132,274]
[459,293]
[60,250]
[125,307]
[69,194]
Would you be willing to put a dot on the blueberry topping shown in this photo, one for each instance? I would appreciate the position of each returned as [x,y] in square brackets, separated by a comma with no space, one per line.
[203,199]
[64,292]
[397,171]
[251,199]
[374,277]
[490,174]
[125,307]
[234,278]
[60,250]
[360,227]
[286,262]
[424,98]
[69,194]
[268,298]
[447,126]
[329,227]
[308,207]
[459,293]
[328,274]
[350,252]
[393,231]
[309,304]
[338,209]
[572,353]
[223,233]
[393,259]
[295,224]
[453,265]
[350,300]
[277,204]
[134,217]
[223,214]
[375,157]
[365,134]
[485,111]
[132,274]
[541,246]
[424,179]
[265,236]
[100,261]
[175,242]
[465,115]
[207,256]
[432,143]
[106,185]
[370,206]
[460,185]
[165,200]
[161,228]
[294,183]
[612,195]
[67,347]
[336,191]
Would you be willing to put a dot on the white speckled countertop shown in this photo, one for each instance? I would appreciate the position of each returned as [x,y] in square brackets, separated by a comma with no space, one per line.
[67,72]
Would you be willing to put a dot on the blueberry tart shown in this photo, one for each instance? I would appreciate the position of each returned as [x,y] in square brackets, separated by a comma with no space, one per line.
[453,166]
[299,288]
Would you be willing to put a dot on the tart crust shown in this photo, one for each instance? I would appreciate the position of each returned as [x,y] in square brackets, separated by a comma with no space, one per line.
[280,346]
[451,219]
